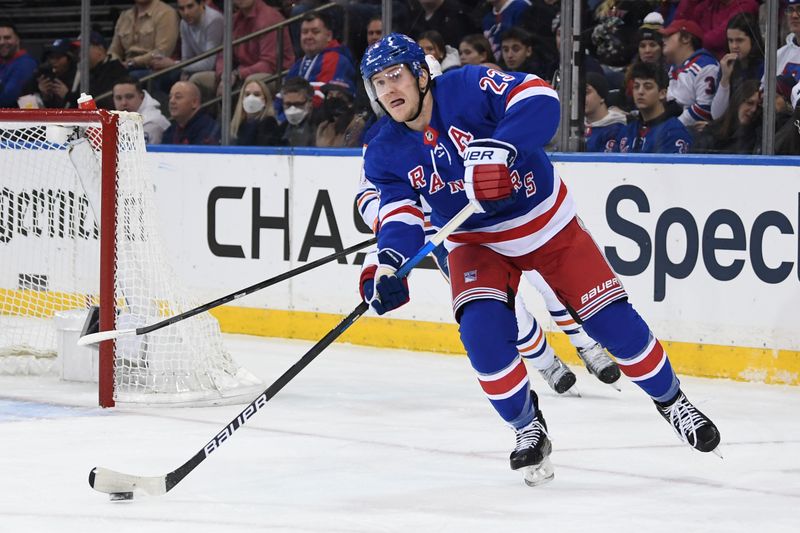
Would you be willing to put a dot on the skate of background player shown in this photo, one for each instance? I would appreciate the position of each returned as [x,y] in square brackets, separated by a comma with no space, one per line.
[710,348]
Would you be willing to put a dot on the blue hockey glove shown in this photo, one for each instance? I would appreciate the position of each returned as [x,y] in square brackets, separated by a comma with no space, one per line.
[487,180]
[380,287]
[392,292]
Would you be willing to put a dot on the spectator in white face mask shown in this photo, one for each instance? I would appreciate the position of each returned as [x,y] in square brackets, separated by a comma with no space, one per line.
[301,121]
[253,122]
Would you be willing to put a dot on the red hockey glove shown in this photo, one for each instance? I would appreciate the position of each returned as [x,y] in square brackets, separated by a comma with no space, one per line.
[487,181]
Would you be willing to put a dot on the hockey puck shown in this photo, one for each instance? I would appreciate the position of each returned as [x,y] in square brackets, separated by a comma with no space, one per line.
[120,496]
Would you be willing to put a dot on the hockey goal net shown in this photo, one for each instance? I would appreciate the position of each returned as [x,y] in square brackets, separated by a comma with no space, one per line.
[67,242]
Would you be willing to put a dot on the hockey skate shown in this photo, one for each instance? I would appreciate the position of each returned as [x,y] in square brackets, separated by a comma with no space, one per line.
[600,364]
[532,451]
[692,427]
[558,376]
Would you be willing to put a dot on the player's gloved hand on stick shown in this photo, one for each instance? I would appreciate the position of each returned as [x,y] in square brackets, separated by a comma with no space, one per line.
[487,180]
[380,287]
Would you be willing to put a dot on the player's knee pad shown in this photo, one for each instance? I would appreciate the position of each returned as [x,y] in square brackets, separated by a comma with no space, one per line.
[619,328]
[489,332]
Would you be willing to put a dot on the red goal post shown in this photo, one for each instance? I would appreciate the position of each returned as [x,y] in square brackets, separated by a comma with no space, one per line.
[98,157]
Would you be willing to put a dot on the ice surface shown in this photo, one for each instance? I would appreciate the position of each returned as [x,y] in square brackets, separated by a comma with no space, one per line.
[368,440]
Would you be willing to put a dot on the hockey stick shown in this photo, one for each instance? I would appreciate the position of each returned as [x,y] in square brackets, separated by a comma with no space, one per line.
[122,486]
[101,336]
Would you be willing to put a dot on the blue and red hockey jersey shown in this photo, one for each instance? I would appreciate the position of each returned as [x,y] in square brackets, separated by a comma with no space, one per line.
[663,135]
[472,102]
[334,62]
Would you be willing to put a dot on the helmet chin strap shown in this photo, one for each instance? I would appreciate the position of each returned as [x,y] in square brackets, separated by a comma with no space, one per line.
[421,99]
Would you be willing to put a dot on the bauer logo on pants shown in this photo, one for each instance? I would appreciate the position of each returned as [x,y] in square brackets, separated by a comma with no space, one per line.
[470,276]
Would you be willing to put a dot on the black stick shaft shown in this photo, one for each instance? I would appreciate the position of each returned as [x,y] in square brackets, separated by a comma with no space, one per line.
[174,477]
[253,288]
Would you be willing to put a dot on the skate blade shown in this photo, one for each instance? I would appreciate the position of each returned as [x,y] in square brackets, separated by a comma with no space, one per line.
[539,474]
[573,391]
[718,453]
[615,386]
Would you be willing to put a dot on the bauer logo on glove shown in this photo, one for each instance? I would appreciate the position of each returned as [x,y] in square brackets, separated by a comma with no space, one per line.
[487,180]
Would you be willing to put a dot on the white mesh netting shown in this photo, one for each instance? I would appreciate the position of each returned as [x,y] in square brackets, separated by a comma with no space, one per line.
[49,262]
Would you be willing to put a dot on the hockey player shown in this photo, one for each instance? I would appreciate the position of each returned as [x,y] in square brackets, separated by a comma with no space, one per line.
[694,73]
[532,344]
[655,131]
[477,135]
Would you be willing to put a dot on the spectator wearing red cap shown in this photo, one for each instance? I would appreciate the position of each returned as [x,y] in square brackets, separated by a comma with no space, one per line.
[693,73]
[712,17]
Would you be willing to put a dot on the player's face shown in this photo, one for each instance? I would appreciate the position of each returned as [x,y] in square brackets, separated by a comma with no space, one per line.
[593,101]
[646,93]
[649,51]
[397,90]
[739,43]
[468,55]
[748,108]
[127,98]
[515,53]
[9,42]
[314,37]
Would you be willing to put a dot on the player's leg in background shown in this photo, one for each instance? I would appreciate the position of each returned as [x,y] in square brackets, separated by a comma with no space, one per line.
[559,313]
[533,347]
[573,265]
[589,351]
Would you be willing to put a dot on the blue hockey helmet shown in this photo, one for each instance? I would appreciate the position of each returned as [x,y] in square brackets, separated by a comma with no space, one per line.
[394,49]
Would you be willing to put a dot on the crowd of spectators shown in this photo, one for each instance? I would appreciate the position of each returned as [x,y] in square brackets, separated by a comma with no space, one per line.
[659,76]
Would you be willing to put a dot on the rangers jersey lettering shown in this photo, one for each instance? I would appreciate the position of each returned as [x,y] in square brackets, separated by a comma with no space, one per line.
[472,102]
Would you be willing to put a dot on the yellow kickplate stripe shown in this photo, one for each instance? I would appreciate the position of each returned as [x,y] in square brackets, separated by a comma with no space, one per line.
[41,304]
[706,360]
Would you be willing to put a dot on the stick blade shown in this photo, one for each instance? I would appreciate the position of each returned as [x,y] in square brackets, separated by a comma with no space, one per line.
[112,482]
[100,336]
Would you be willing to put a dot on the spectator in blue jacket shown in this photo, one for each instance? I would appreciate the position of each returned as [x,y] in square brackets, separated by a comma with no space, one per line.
[502,17]
[324,57]
[17,67]
[189,125]
[655,131]
[602,124]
